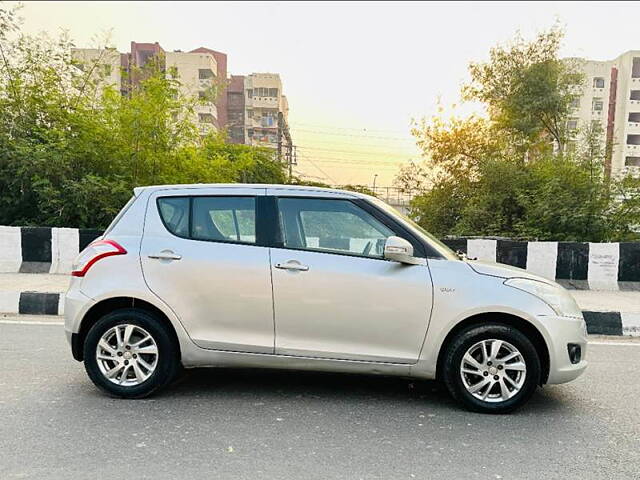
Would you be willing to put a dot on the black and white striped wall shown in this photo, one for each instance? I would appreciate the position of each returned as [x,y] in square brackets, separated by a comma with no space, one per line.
[582,266]
[595,266]
[40,303]
[41,249]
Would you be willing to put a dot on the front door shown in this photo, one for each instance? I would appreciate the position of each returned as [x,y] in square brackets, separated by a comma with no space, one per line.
[200,254]
[334,294]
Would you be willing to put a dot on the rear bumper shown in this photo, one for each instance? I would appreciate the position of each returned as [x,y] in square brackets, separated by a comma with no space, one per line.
[76,305]
[563,331]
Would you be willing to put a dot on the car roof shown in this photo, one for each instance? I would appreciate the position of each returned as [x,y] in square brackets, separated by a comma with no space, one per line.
[307,188]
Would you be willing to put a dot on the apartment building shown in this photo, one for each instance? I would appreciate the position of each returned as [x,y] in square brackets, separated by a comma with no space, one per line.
[610,98]
[251,108]
[107,61]
[199,72]
[258,113]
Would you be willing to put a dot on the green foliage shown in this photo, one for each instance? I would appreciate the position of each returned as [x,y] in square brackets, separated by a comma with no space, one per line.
[72,148]
[528,90]
[518,173]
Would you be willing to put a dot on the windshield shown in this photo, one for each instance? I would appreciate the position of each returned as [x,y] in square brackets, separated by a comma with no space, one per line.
[440,247]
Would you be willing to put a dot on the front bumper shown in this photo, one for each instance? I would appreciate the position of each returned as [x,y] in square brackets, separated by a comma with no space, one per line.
[561,332]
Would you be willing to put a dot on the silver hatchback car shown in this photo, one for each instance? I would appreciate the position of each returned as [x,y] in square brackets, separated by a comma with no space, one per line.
[276,276]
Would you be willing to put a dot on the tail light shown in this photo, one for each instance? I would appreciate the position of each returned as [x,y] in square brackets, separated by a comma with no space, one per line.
[94,252]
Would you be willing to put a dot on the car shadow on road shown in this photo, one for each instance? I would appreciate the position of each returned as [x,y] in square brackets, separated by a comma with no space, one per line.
[278,384]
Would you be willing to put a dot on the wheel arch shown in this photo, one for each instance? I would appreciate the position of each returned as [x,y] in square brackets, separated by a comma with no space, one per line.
[103,307]
[524,326]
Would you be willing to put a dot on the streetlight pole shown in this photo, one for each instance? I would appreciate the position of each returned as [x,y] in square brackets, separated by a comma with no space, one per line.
[375,176]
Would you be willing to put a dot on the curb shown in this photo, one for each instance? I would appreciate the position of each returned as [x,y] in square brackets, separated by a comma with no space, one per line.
[39,303]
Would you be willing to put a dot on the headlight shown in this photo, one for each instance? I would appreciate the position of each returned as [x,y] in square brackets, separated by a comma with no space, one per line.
[555,296]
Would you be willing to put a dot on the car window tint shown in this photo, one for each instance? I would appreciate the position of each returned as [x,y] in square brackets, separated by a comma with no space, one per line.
[175,214]
[331,225]
[224,219]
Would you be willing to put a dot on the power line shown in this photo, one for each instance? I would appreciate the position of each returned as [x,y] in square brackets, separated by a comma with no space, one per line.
[333,127]
[322,171]
[361,152]
[351,135]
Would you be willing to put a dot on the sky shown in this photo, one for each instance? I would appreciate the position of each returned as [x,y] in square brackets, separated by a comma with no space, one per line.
[356,74]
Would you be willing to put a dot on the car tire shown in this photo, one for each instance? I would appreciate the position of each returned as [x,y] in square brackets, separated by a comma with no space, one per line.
[477,379]
[144,372]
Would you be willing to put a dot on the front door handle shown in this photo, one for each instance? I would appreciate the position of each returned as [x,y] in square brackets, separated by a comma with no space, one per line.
[166,255]
[292,265]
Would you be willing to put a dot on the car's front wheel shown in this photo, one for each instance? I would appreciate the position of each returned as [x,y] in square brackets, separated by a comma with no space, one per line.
[491,368]
[129,353]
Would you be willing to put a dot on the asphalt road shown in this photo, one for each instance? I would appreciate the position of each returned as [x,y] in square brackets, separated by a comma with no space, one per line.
[272,425]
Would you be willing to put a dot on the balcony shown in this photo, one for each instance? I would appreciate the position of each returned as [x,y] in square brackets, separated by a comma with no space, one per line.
[209,108]
[262,102]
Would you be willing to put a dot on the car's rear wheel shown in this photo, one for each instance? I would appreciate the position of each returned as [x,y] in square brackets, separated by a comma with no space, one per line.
[492,368]
[129,353]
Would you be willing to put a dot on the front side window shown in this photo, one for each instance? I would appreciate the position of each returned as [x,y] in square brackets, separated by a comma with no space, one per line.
[326,225]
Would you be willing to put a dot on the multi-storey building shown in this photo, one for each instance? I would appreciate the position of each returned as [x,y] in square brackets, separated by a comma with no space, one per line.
[258,113]
[610,99]
[251,108]
[108,71]
[198,72]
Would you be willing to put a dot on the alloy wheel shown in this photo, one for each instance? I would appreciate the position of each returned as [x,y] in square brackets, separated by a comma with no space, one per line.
[127,355]
[493,370]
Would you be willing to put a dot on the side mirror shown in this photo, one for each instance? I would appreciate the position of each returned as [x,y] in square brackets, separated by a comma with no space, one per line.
[399,250]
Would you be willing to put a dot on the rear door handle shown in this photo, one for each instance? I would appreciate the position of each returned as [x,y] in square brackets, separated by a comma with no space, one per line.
[292,265]
[166,255]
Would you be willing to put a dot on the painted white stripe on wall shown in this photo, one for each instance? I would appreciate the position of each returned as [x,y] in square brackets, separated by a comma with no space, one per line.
[10,249]
[630,324]
[61,304]
[65,244]
[603,266]
[9,302]
[542,258]
[482,249]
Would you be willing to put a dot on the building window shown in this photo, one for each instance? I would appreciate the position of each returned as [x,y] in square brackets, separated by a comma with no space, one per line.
[635,95]
[633,139]
[598,82]
[205,118]
[205,73]
[635,70]
[632,161]
[634,117]
[575,104]
[572,124]
[597,105]
[249,93]
[273,92]
[202,95]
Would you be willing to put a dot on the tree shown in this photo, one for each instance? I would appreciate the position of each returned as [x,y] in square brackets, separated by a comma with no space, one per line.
[527,88]
[498,175]
[73,148]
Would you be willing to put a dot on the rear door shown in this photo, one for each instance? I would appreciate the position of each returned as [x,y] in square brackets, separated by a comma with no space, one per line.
[202,254]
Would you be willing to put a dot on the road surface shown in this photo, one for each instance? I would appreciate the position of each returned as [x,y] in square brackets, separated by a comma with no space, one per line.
[271,425]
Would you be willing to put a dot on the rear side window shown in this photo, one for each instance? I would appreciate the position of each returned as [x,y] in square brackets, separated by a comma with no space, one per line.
[175,214]
[212,218]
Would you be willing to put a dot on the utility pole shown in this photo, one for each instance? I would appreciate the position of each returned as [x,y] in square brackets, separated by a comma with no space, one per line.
[285,148]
